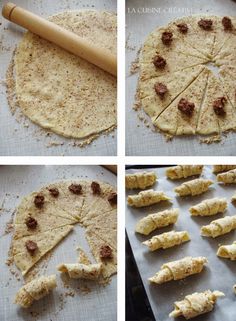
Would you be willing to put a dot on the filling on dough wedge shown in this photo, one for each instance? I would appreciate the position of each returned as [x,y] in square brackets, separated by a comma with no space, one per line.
[181,117]
[154,103]
[30,249]
[195,304]
[217,113]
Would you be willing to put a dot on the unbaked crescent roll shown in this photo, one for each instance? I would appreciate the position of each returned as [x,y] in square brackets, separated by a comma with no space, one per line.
[222,168]
[195,304]
[194,187]
[166,240]
[183,171]
[35,290]
[157,220]
[227,251]
[234,288]
[140,180]
[81,271]
[228,177]
[209,207]
[146,198]
[233,198]
[179,269]
[219,227]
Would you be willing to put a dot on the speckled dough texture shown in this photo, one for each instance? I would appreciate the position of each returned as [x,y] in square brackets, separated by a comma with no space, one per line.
[62,92]
[186,77]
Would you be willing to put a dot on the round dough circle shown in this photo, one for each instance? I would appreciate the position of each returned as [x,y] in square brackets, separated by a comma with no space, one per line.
[62,92]
[186,76]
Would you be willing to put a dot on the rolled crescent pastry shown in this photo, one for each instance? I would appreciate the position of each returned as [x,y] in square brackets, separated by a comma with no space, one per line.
[183,171]
[157,220]
[209,207]
[194,187]
[219,227]
[234,288]
[228,177]
[146,198]
[233,198]
[196,304]
[81,271]
[166,240]
[179,269]
[35,290]
[222,168]
[140,180]
[227,251]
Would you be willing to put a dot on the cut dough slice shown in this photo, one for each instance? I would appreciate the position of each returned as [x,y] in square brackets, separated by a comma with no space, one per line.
[166,240]
[222,37]
[227,251]
[227,53]
[229,84]
[183,171]
[219,227]
[35,290]
[146,198]
[176,83]
[28,208]
[157,220]
[227,177]
[194,187]
[109,264]
[45,242]
[140,180]
[196,304]
[209,207]
[222,168]
[175,122]
[179,269]
[101,219]
[209,122]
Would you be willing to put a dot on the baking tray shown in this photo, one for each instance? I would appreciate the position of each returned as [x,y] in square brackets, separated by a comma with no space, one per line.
[219,274]
[24,137]
[97,305]
[142,17]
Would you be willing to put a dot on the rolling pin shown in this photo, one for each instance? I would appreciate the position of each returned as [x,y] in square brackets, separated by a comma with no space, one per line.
[61,37]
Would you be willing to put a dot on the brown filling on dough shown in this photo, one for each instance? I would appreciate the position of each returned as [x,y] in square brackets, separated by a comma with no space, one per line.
[96,188]
[227,23]
[112,198]
[105,252]
[182,27]
[160,89]
[31,247]
[54,191]
[205,24]
[167,37]
[159,62]
[39,200]
[31,223]
[219,105]
[75,189]
[186,107]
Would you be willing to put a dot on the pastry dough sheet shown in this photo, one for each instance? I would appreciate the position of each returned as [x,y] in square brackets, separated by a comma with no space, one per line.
[24,137]
[162,297]
[20,180]
[140,140]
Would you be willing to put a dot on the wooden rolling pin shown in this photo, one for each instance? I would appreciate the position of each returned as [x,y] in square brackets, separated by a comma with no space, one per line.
[61,37]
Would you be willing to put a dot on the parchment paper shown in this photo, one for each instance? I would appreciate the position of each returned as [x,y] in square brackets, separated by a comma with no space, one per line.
[219,274]
[26,138]
[142,17]
[97,305]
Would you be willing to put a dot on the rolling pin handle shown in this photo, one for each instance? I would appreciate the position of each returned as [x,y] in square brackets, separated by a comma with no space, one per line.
[7,10]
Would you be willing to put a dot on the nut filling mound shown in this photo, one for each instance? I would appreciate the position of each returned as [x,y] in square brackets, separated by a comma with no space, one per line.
[177,90]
